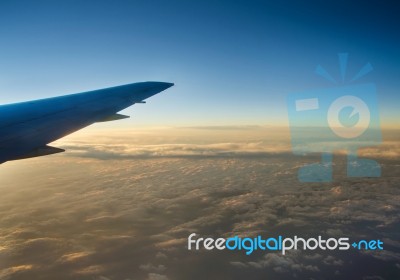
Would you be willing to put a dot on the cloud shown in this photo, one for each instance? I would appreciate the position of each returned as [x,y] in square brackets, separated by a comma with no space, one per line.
[384,255]
[14,271]
[155,276]
[152,268]
[74,257]
[70,217]
[110,151]
[373,277]
[281,263]
[231,141]
[90,270]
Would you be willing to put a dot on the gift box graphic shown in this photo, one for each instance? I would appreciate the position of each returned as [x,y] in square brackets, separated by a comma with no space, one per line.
[343,118]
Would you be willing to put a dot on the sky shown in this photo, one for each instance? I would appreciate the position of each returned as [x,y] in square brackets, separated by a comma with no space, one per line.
[233,63]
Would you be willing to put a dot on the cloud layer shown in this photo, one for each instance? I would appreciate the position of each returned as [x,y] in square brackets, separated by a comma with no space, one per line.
[128,217]
[249,141]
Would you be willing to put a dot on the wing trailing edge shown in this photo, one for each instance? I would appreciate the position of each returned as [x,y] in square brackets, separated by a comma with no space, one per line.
[114,117]
[42,151]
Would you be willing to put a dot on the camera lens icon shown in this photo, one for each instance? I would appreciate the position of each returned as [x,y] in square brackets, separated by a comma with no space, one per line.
[342,118]
[358,108]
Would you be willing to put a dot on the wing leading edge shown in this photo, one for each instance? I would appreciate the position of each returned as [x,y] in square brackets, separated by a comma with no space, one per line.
[26,128]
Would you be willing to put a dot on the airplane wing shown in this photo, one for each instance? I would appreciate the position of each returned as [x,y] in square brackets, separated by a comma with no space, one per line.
[26,128]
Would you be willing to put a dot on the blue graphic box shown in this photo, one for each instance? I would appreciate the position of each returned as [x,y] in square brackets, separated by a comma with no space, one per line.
[335,119]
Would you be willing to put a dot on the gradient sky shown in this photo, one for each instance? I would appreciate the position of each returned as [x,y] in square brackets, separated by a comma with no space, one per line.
[233,62]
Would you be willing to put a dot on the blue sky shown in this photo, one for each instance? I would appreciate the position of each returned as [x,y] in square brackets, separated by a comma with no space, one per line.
[233,62]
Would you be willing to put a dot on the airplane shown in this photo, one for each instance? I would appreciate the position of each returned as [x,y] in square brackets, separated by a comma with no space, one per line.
[27,128]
